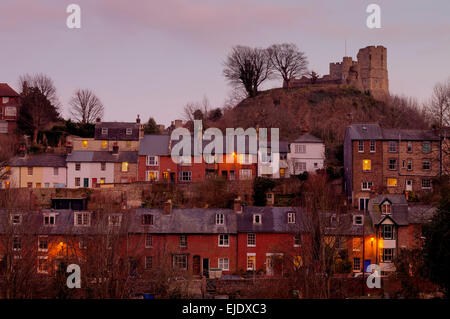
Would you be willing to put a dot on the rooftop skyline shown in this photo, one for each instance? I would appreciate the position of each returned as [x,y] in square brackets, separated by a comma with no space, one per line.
[151,58]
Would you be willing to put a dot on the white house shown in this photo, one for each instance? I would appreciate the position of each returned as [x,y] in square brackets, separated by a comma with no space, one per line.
[273,164]
[89,168]
[306,154]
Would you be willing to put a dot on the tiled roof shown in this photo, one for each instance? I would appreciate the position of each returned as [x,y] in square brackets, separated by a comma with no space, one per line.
[102,156]
[157,145]
[308,138]
[39,160]
[7,91]
[371,131]
[117,131]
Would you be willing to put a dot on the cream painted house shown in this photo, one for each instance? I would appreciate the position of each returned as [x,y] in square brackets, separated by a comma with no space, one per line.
[306,154]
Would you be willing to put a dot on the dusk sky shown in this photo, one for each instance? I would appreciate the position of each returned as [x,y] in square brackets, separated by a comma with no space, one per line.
[152,57]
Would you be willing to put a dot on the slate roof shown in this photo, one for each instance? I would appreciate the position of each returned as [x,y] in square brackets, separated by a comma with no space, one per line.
[102,156]
[372,131]
[117,131]
[39,160]
[420,214]
[308,138]
[157,145]
[7,91]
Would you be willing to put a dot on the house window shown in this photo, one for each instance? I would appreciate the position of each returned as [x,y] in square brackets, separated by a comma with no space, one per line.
[147,219]
[409,164]
[42,265]
[223,240]
[388,231]
[114,220]
[232,176]
[392,182]
[17,243]
[5,99]
[152,160]
[129,131]
[82,243]
[84,144]
[152,176]
[386,208]
[367,165]
[388,254]
[49,219]
[357,220]
[148,240]
[124,166]
[219,219]
[186,176]
[148,262]
[30,171]
[223,263]
[77,166]
[16,219]
[300,166]
[251,261]
[366,186]
[291,218]
[245,159]
[426,164]
[257,219]
[357,244]
[179,262]
[392,146]
[361,146]
[372,146]
[55,171]
[103,166]
[298,148]
[82,219]
[426,183]
[282,172]
[426,147]
[104,131]
[409,147]
[104,144]
[297,240]
[245,174]
[38,185]
[392,164]
[102,180]
[3,127]
[77,181]
[363,203]
[30,185]
[356,264]
[183,241]
[43,243]
[251,240]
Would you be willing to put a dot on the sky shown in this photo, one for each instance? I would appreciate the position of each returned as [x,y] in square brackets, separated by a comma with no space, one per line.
[153,57]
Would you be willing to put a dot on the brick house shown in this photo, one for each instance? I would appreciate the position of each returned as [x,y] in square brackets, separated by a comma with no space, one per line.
[9,109]
[379,160]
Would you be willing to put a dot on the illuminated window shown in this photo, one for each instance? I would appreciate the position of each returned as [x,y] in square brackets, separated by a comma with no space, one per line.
[165,176]
[356,244]
[104,144]
[367,165]
[251,261]
[386,208]
[84,144]
[282,172]
[102,180]
[152,176]
[392,182]
[7,184]
[38,185]
[124,166]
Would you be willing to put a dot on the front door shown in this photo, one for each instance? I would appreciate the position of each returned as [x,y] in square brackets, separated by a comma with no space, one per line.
[366,264]
[269,265]
[206,267]
[94,181]
[172,177]
[86,182]
[196,266]
[408,185]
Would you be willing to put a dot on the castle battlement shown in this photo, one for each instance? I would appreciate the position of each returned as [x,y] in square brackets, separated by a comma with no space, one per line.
[367,73]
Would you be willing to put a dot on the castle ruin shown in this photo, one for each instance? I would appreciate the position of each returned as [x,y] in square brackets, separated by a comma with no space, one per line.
[368,73]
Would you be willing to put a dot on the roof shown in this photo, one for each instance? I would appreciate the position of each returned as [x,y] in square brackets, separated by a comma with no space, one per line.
[373,131]
[7,91]
[420,214]
[39,160]
[399,209]
[117,131]
[154,145]
[308,138]
[102,156]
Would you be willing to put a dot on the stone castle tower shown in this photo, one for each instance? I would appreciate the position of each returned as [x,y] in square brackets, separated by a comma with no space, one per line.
[368,73]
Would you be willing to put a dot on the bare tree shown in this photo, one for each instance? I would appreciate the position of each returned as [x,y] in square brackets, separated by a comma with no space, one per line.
[439,105]
[8,145]
[288,61]
[247,67]
[86,106]
[44,84]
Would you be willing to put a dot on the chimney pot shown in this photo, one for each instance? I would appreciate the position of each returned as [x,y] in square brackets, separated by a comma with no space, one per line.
[138,120]
[238,205]
[115,148]
[167,208]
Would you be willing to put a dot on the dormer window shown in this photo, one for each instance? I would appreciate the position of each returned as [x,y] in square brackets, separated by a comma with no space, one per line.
[16,219]
[114,220]
[291,218]
[147,219]
[386,208]
[219,219]
[5,99]
[104,131]
[257,219]
[82,219]
[49,219]
[129,131]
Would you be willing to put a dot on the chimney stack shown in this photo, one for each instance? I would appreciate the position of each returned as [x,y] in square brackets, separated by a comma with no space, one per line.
[98,120]
[22,150]
[238,205]
[115,148]
[69,148]
[138,120]
[167,208]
